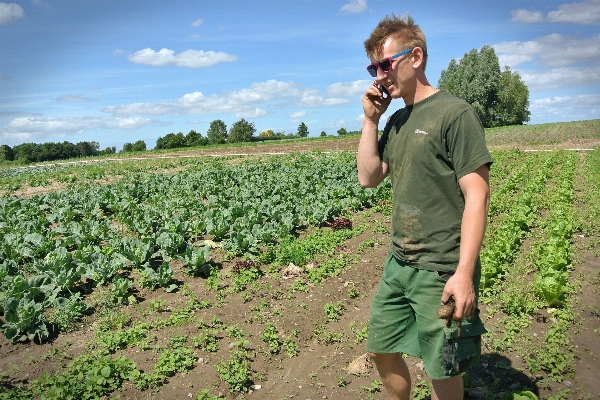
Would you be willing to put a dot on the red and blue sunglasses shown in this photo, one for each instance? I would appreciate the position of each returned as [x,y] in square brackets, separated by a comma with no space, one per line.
[385,65]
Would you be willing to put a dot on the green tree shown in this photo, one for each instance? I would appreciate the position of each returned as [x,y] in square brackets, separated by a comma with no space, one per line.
[476,78]
[6,153]
[217,132]
[302,130]
[140,145]
[127,147]
[86,149]
[241,131]
[512,106]
[323,133]
[194,139]
[342,132]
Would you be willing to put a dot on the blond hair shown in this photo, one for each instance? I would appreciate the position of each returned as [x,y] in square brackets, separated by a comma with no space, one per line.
[403,30]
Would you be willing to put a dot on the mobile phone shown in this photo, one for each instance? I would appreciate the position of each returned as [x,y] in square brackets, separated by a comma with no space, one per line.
[386,94]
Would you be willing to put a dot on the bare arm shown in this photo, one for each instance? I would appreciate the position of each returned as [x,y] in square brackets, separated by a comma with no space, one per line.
[371,170]
[475,188]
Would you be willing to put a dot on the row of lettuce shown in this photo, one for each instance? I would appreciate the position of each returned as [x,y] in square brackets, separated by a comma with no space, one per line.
[55,246]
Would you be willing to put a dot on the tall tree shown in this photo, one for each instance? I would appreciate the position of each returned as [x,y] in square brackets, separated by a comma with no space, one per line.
[217,132]
[241,131]
[477,79]
[512,107]
[474,79]
[302,130]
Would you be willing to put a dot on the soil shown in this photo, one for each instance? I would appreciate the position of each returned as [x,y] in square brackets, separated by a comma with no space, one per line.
[335,371]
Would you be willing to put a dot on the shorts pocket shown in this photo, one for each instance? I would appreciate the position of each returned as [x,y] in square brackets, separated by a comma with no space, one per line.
[462,345]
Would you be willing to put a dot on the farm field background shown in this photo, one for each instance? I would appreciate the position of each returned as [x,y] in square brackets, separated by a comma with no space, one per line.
[185,275]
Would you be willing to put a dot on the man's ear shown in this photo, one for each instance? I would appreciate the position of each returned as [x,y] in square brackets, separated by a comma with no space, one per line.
[417,55]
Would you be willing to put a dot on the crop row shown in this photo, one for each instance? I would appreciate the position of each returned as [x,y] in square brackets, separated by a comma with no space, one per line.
[551,133]
[143,221]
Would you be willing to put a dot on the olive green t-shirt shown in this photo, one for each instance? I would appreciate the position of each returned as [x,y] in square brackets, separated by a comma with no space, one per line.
[428,147]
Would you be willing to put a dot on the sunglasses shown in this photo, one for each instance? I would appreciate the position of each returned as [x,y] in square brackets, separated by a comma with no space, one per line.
[385,65]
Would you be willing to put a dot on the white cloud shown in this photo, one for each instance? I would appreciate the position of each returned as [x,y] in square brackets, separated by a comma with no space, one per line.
[39,128]
[348,88]
[336,123]
[10,12]
[585,13]
[354,6]
[75,98]
[239,102]
[118,51]
[187,58]
[553,50]
[127,123]
[526,17]
[318,101]
[566,108]
[139,108]
[197,22]
[298,114]
[560,77]
[256,113]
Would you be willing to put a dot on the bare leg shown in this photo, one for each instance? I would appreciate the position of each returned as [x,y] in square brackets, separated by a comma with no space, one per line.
[394,375]
[448,389]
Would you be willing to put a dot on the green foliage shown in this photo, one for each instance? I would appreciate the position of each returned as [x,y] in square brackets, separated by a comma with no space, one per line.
[236,370]
[171,141]
[217,132]
[360,334]
[162,276]
[89,376]
[139,145]
[512,104]
[171,361]
[302,130]
[498,98]
[195,261]
[333,311]
[241,131]
[68,311]
[207,340]
[342,132]
[119,289]
[270,336]
[292,349]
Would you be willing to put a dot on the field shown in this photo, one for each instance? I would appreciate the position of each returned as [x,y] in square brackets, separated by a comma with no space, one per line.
[248,272]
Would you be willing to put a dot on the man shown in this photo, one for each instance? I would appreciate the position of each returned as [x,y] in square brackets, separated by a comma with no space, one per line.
[435,153]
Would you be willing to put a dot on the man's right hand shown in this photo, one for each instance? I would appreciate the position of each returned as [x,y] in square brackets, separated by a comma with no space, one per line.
[374,104]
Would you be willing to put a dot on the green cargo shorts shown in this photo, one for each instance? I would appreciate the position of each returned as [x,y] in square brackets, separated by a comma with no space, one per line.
[404,320]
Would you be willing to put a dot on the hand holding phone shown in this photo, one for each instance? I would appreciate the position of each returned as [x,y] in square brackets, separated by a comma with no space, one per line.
[384,91]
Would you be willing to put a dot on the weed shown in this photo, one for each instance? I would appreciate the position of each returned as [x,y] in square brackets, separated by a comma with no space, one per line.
[374,388]
[333,311]
[360,334]
[271,337]
[421,391]
[206,340]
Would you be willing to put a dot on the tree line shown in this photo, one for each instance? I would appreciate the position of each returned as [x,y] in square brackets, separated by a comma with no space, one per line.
[500,98]
[38,152]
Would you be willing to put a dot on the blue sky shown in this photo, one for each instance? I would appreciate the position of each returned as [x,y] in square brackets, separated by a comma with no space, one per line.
[117,71]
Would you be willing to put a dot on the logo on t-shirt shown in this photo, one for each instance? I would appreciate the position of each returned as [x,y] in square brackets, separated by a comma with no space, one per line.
[421,131]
